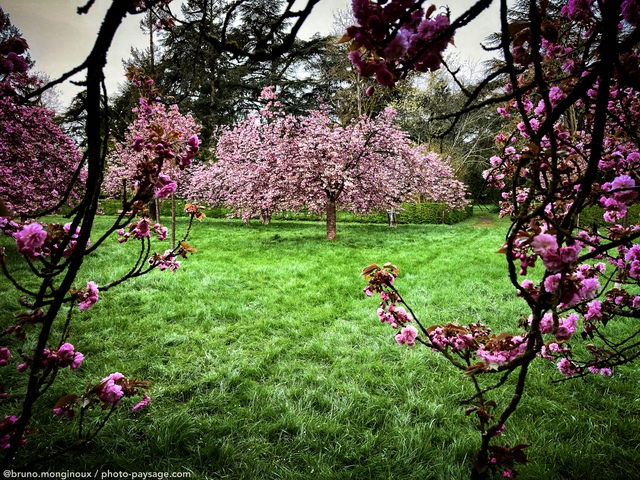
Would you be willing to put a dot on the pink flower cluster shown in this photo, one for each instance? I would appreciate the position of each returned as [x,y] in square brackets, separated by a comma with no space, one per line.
[88,297]
[111,392]
[158,147]
[11,56]
[164,187]
[566,326]
[65,356]
[396,35]
[380,281]
[456,337]
[142,229]
[30,240]
[108,393]
[73,240]
[622,192]
[497,351]
[6,427]
[407,335]
[166,261]
[560,352]
[36,241]
[554,257]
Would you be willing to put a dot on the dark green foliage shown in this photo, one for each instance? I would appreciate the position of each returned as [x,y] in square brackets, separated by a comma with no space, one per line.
[217,87]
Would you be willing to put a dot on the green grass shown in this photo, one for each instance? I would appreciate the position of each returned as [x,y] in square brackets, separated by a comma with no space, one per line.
[268,362]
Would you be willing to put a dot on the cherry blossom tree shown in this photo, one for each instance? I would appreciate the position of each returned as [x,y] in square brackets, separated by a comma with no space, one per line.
[573,94]
[34,153]
[274,162]
[151,119]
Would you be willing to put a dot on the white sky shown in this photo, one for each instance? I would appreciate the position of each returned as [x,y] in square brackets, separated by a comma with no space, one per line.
[59,39]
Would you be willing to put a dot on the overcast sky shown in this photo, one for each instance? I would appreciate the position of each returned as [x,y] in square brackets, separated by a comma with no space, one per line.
[59,39]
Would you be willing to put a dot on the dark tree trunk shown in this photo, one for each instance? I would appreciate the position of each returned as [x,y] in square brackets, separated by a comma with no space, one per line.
[331,218]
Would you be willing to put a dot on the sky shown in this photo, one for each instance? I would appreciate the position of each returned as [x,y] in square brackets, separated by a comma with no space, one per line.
[59,39]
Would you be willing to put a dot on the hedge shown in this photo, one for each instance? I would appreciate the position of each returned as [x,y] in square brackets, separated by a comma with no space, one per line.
[593,216]
[418,213]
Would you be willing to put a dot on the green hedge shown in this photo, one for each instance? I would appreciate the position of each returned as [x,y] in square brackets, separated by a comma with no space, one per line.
[417,213]
[593,216]
[420,213]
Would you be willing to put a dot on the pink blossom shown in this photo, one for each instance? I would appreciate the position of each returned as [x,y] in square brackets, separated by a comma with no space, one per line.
[552,282]
[164,187]
[77,360]
[66,410]
[194,142]
[624,185]
[594,311]
[142,229]
[89,297]
[552,261]
[544,243]
[111,393]
[407,335]
[5,354]
[578,10]
[30,240]
[567,367]
[140,405]
[570,253]
[160,231]
[589,288]
[566,327]
[556,95]
[6,427]
[546,323]
[66,357]
[398,46]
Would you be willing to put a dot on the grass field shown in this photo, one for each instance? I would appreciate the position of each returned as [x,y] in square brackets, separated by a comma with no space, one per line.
[268,362]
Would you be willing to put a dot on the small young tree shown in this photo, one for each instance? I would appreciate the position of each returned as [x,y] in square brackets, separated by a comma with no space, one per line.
[125,158]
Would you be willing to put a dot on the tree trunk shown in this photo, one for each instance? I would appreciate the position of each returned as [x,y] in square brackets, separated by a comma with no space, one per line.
[393,221]
[173,221]
[265,218]
[331,218]
[154,210]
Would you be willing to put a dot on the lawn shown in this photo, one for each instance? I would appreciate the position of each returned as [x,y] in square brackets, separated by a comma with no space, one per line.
[267,361]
